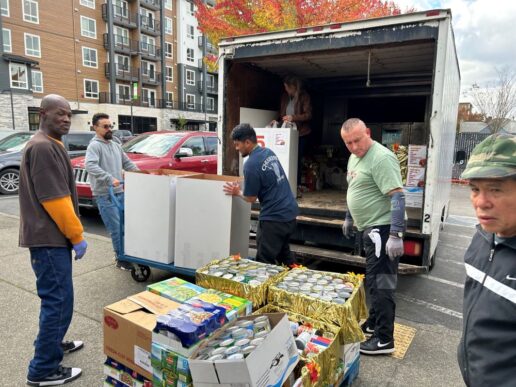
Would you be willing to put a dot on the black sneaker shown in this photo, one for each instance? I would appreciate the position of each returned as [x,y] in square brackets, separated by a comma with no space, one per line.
[374,346]
[61,376]
[367,331]
[72,346]
[124,265]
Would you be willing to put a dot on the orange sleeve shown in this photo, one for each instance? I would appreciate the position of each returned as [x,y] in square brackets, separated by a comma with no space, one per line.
[63,214]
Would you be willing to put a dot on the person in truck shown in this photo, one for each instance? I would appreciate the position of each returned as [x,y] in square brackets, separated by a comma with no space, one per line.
[376,205]
[51,229]
[265,179]
[487,350]
[105,163]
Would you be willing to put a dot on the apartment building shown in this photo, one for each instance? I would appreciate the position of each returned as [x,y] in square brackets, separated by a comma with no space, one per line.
[116,56]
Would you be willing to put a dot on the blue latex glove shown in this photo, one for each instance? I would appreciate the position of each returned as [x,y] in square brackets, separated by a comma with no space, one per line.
[80,249]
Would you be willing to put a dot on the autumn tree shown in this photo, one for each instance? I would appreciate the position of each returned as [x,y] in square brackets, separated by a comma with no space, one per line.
[496,100]
[242,17]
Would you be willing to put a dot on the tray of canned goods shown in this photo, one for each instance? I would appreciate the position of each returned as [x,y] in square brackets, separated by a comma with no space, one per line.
[334,298]
[239,276]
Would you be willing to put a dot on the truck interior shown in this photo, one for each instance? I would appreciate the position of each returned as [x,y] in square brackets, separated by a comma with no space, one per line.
[388,87]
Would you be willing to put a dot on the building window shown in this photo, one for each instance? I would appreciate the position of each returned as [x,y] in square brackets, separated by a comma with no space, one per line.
[121,8]
[169,50]
[30,11]
[170,99]
[190,32]
[210,81]
[123,94]
[210,106]
[88,3]
[37,81]
[89,57]
[190,77]
[18,75]
[33,121]
[149,97]
[122,64]
[191,8]
[32,45]
[88,27]
[91,89]
[168,25]
[170,74]
[148,44]
[190,55]
[121,36]
[4,5]
[190,101]
[168,4]
[6,37]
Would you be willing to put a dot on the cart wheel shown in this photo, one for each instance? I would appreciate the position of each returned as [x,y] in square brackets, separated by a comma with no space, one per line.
[140,273]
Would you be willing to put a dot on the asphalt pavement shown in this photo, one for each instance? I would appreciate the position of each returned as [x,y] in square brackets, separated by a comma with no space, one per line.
[430,303]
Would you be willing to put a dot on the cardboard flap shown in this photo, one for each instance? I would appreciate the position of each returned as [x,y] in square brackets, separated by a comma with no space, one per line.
[154,303]
[142,319]
[124,306]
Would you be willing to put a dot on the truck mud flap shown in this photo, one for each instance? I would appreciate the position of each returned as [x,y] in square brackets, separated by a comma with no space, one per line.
[312,252]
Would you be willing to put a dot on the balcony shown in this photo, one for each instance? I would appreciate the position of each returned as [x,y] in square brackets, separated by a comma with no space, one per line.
[150,26]
[210,48]
[123,74]
[150,77]
[155,5]
[210,89]
[123,45]
[124,99]
[150,52]
[121,16]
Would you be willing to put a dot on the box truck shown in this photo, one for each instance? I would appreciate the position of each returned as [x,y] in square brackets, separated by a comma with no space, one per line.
[399,74]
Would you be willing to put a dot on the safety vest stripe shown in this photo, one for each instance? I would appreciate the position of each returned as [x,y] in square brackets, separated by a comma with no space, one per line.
[490,283]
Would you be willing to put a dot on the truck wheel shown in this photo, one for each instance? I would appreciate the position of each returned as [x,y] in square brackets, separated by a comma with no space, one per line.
[140,273]
[9,181]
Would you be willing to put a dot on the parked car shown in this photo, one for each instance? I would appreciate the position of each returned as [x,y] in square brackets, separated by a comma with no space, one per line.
[6,132]
[11,151]
[123,135]
[187,151]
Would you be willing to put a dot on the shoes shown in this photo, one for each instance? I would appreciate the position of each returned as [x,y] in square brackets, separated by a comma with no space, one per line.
[124,265]
[374,346]
[71,346]
[61,376]
[367,331]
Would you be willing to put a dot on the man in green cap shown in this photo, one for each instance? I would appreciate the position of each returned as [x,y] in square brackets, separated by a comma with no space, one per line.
[487,351]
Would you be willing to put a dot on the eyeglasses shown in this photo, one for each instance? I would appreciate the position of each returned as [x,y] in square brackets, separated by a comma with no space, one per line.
[107,126]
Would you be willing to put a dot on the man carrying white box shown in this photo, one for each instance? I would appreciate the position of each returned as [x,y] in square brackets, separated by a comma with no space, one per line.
[265,179]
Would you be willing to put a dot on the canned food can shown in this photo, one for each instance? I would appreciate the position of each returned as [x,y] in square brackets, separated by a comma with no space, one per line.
[315,295]
[254,283]
[329,288]
[339,286]
[239,278]
[261,318]
[260,335]
[235,356]
[242,343]
[317,276]
[338,281]
[227,276]
[322,282]
[227,343]
[328,278]
[282,285]
[247,324]
[241,333]
[302,277]
[333,294]
[344,294]
[247,350]
[294,284]
[317,288]
[294,326]
[216,357]
[339,300]
[311,280]
[262,326]
[218,351]
[218,273]
[325,298]
[232,350]
[256,342]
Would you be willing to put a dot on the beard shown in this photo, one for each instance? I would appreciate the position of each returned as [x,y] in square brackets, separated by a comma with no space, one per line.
[108,135]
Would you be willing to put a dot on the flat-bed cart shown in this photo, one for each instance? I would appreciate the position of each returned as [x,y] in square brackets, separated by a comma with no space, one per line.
[141,270]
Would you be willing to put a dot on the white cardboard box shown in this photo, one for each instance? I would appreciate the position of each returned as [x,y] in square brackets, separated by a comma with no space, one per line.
[209,224]
[270,364]
[150,212]
[349,353]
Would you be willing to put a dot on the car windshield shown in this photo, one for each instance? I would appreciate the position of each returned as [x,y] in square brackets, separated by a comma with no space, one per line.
[15,142]
[156,145]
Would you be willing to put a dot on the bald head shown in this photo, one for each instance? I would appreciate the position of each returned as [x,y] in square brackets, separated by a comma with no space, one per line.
[55,116]
[357,136]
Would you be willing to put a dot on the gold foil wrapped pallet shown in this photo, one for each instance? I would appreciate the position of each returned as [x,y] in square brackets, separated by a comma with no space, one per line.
[323,296]
[241,277]
[319,369]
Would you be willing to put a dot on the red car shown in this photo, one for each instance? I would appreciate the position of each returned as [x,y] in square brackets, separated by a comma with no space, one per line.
[187,151]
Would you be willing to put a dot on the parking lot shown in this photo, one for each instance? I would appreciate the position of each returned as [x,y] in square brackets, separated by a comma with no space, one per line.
[430,303]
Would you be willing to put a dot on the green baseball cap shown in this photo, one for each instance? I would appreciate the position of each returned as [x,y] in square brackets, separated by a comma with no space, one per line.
[493,158]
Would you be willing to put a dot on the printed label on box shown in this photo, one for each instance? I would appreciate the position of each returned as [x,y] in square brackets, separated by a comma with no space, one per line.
[142,358]
[417,155]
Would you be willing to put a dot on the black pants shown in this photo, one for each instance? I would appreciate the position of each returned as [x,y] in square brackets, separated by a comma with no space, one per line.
[303,142]
[380,280]
[272,239]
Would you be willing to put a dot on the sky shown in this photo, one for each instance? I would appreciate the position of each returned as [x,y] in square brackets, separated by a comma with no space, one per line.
[485,36]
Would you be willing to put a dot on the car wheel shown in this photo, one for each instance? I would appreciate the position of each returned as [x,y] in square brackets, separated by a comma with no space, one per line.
[9,181]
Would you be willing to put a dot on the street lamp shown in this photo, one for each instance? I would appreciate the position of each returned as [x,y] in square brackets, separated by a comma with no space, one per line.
[12,105]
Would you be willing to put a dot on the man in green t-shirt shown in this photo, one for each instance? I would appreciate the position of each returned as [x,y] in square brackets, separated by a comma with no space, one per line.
[376,204]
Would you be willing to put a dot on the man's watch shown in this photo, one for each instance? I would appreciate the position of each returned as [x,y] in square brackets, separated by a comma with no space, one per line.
[398,234]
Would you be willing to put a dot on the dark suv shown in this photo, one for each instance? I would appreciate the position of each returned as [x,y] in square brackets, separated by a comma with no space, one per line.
[11,151]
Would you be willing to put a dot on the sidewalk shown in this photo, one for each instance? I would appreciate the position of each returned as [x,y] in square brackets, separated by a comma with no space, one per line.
[430,361]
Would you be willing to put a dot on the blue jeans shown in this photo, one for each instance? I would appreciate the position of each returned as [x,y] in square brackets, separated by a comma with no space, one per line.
[110,215]
[53,269]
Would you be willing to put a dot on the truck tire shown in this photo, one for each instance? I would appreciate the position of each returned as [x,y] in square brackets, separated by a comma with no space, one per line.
[9,181]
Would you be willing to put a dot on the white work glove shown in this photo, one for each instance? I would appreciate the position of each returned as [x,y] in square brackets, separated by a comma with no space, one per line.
[347,228]
[394,247]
